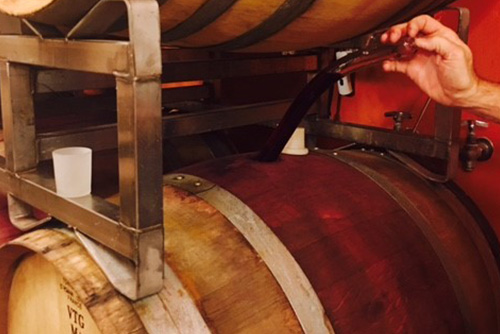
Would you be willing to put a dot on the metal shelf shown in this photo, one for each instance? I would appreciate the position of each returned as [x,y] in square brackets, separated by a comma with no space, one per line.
[135,229]
[132,231]
[104,137]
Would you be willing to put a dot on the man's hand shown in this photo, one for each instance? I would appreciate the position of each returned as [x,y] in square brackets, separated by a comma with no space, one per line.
[443,66]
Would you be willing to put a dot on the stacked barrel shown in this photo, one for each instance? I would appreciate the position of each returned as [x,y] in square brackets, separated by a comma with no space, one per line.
[351,243]
[248,25]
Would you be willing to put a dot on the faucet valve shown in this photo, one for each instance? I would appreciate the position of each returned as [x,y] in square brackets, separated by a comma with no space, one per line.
[475,149]
[399,117]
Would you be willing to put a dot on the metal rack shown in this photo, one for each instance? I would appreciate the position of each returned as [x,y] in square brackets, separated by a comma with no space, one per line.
[133,231]
[137,67]
[435,157]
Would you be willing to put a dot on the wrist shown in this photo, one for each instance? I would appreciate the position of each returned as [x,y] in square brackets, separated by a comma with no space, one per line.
[484,100]
[470,98]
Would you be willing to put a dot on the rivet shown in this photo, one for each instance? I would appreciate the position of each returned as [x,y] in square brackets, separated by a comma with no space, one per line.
[197,184]
[335,153]
[179,177]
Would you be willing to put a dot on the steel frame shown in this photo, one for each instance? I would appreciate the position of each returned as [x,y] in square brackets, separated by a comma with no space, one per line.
[135,229]
[104,137]
[443,145]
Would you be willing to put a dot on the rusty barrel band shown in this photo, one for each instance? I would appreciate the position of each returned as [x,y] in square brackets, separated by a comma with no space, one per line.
[292,280]
[282,17]
[204,16]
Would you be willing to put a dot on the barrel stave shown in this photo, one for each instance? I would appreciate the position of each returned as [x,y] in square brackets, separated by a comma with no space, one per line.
[350,234]
[220,278]
[234,289]
[109,310]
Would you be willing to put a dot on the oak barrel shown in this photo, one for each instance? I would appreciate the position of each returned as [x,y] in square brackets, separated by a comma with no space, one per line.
[250,25]
[344,243]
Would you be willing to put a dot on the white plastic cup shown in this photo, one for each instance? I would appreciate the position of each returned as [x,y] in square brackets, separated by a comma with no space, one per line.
[72,171]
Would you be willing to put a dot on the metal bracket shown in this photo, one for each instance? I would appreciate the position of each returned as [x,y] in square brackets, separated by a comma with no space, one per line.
[99,19]
[121,272]
[139,138]
[447,121]
[32,28]
[22,215]
[443,146]
[464,19]
[373,52]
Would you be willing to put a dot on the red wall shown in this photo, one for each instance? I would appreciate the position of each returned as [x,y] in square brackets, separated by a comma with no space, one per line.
[483,185]
[377,92]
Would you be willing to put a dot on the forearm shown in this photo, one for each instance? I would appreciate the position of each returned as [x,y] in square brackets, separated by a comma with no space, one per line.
[485,101]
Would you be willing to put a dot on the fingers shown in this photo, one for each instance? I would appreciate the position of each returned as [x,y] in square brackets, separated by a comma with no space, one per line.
[439,45]
[394,34]
[421,25]
[425,25]
[395,66]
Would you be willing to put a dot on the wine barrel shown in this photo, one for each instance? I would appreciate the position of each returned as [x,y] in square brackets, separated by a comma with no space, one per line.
[249,25]
[350,242]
